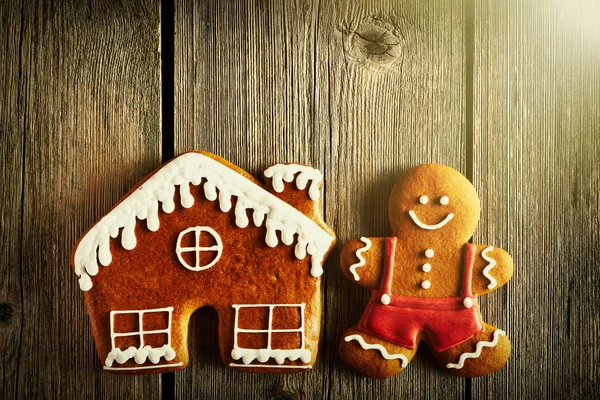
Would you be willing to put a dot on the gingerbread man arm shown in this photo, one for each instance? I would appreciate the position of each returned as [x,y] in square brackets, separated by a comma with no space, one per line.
[362,261]
[492,268]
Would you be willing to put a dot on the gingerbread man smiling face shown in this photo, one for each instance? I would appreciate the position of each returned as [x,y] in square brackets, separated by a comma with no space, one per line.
[425,280]
[434,201]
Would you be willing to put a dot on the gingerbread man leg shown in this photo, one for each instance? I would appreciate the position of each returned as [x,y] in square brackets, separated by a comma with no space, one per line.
[373,356]
[481,355]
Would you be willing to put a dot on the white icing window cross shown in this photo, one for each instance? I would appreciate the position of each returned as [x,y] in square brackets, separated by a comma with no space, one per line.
[140,332]
[197,249]
[263,354]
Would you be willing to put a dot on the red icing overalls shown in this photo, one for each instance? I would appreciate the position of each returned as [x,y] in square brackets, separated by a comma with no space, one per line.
[445,322]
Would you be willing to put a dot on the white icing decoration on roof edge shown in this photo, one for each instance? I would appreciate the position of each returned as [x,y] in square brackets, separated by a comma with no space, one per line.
[286,172]
[192,168]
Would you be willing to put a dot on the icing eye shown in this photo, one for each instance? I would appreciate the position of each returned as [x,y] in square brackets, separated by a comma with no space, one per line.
[423,199]
[444,200]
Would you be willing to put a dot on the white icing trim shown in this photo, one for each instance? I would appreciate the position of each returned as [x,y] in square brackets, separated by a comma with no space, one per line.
[142,353]
[361,261]
[269,366]
[477,352]
[179,364]
[286,172]
[429,227]
[382,350]
[197,249]
[194,168]
[262,355]
[491,264]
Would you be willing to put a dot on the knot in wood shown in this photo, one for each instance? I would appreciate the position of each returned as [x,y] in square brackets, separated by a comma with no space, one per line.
[375,43]
[282,393]
[7,312]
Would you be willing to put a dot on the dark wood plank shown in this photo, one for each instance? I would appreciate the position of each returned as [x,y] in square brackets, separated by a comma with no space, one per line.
[87,121]
[387,112]
[537,147]
[264,82]
[11,180]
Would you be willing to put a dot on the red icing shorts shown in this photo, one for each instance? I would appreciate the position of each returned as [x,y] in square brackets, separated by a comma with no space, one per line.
[445,322]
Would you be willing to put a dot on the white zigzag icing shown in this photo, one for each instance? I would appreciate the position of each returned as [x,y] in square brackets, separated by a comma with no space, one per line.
[491,264]
[382,350]
[478,348]
[361,262]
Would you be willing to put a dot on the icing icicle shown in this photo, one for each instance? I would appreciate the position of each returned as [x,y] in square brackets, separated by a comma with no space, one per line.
[221,183]
[478,348]
[154,354]
[361,262]
[491,264]
[286,172]
[382,350]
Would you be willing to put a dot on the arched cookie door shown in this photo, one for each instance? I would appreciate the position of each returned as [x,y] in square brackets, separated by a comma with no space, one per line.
[199,248]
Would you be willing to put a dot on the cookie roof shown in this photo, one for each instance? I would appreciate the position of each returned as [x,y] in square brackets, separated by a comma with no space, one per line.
[142,204]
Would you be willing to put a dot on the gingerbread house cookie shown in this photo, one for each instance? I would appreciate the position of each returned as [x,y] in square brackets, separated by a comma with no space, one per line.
[197,232]
[425,280]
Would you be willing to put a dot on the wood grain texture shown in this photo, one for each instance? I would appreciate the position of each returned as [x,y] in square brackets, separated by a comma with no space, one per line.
[11,179]
[83,85]
[536,165]
[244,82]
[387,113]
[361,92]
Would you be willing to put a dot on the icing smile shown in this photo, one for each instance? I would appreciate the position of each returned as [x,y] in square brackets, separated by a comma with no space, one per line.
[429,227]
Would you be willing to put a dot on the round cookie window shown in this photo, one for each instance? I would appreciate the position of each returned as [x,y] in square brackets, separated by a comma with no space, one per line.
[198,248]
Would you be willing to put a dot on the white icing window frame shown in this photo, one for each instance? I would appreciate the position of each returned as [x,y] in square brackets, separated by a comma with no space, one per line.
[140,333]
[197,248]
[268,352]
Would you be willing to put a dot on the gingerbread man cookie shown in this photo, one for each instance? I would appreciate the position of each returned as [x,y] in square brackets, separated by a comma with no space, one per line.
[197,232]
[425,280]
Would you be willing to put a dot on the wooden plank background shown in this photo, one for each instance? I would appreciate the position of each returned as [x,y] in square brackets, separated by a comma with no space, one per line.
[506,92]
[537,168]
[80,126]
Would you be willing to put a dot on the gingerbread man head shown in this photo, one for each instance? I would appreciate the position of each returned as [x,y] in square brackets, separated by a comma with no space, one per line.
[434,202]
